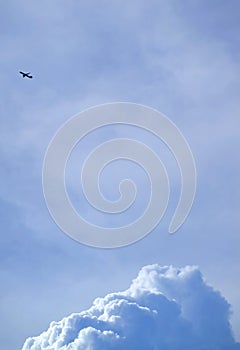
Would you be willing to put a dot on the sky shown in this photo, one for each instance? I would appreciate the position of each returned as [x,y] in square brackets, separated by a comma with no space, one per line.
[181,58]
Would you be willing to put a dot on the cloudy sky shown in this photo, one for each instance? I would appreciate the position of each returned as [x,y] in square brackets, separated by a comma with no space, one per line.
[179,57]
[164,308]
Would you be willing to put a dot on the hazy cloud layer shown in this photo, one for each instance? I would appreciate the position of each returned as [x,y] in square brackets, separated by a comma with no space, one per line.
[164,308]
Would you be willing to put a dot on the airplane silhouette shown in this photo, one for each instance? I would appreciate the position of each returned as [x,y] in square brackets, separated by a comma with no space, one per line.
[26,75]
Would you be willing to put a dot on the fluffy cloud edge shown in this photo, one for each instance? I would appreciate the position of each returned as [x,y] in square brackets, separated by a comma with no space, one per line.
[164,307]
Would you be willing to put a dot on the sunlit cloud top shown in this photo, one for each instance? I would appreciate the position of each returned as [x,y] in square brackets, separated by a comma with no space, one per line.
[164,308]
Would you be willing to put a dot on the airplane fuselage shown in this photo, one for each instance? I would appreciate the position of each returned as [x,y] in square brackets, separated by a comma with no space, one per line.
[26,75]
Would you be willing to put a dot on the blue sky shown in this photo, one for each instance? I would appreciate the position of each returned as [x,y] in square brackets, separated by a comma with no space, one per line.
[181,58]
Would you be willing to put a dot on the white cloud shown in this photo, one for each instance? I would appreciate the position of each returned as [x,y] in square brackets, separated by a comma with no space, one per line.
[164,308]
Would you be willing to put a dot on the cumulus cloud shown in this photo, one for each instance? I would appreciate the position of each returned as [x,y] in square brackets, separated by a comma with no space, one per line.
[164,308]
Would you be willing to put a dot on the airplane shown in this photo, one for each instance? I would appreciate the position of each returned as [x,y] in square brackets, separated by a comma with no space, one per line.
[26,75]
